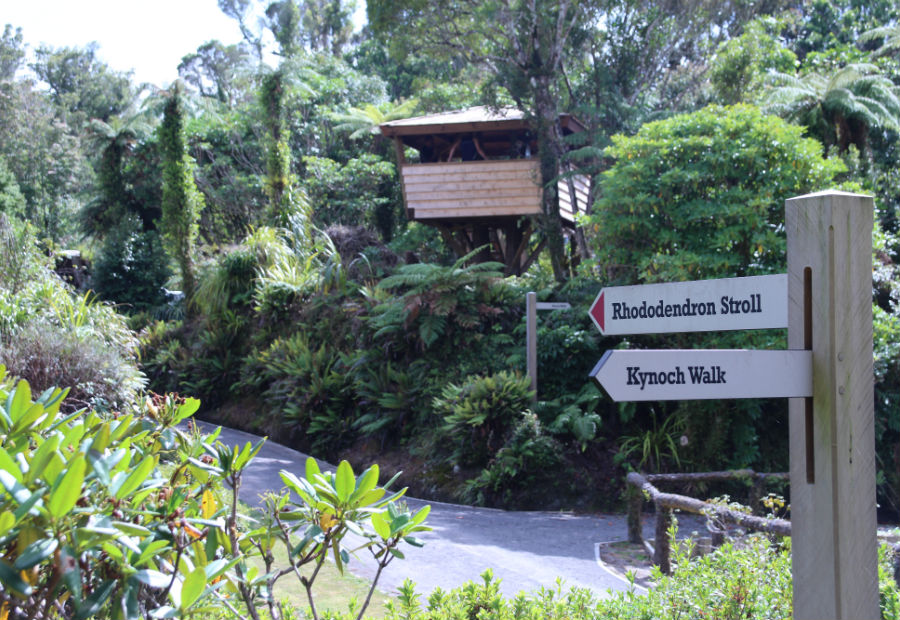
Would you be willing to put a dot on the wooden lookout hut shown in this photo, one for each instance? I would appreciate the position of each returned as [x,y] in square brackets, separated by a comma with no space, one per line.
[477,180]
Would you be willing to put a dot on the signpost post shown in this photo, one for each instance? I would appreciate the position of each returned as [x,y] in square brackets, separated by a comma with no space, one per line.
[532,305]
[832,441]
[825,301]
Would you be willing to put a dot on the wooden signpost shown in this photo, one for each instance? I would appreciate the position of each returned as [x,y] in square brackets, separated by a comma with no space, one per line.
[532,305]
[827,374]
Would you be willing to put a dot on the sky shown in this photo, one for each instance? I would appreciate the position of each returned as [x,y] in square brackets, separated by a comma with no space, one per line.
[147,36]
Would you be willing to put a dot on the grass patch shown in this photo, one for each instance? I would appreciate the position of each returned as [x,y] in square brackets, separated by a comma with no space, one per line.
[331,591]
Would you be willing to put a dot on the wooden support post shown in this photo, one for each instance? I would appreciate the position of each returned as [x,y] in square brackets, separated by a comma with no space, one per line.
[531,339]
[661,544]
[832,444]
[635,503]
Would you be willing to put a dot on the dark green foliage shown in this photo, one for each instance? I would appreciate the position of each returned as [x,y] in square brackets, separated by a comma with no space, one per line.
[433,299]
[573,415]
[887,404]
[825,24]
[307,391]
[278,181]
[12,202]
[480,413]
[528,472]
[364,191]
[227,148]
[388,396]
[217,70]
[81,84]
[181,202]
[740,65]
[50,336]
[131,267]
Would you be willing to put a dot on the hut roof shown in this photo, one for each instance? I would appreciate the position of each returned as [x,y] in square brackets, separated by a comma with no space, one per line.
[479,118]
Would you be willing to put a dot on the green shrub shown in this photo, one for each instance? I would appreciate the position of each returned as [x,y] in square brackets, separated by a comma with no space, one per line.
[524,473]
[431,303]
[131,267]
[750,580]
[48,355]
[51,336]
[130,517]
[230,284]
[480,413]
[306,390]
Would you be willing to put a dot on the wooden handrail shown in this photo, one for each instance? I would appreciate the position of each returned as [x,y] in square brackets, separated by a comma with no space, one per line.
[640,486]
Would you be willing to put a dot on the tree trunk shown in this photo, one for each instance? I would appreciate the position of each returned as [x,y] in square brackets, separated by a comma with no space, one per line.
[549,142]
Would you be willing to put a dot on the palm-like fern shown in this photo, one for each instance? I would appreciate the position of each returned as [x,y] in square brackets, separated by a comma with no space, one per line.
[114,141]
[365,121]
[889,37]
[436,294]
[840,108]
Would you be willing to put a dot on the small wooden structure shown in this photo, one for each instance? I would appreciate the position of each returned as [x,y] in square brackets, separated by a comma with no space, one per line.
[477,180]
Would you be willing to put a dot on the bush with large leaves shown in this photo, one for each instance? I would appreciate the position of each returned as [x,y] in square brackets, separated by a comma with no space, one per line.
[130,517]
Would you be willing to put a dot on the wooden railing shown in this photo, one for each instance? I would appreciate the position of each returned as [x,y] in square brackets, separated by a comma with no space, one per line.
[641,487]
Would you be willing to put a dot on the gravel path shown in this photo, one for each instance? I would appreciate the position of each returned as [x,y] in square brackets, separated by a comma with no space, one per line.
[526,550]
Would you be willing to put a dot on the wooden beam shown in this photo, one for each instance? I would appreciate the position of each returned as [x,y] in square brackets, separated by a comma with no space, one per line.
[446,214]
[534,254]
[469,167]
[832,436]
[478,193]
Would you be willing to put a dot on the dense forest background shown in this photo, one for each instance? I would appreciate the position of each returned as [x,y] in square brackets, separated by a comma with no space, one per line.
[241,234]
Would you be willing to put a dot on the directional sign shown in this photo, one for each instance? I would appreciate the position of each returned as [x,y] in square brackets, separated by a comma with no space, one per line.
[701,374]
[755,302]
[553,305]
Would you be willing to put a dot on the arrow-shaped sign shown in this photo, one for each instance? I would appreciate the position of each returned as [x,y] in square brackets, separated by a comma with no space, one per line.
[755,302]
[702,374]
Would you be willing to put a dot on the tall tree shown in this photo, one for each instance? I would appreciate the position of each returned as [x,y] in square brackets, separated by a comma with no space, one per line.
[278,182]
[12,52]
[81,84]
[218,71]
[114,141]
[245,13]
[181,202]
[45,155]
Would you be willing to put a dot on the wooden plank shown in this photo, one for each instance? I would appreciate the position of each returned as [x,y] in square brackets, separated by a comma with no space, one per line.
[473,203]
[471,179]
[466,175]
[832,442]
[430,214]
[523,193]
[514,184]
[496,165]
